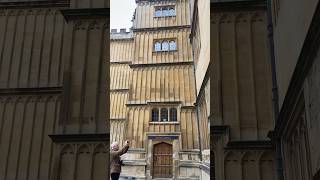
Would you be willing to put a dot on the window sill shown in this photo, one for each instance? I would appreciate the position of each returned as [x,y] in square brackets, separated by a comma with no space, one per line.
[173,16]
[167,122]
[169,51]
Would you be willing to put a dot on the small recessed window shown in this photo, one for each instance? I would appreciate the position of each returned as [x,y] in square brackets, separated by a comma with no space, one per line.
[173,45]
[155,114]
[164,114]
[164,11]
[165,46]
[172,12]
[157,46]
[157,12]
[173,114]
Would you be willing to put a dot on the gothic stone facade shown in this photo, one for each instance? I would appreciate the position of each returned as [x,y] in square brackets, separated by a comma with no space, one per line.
[241,92]
[53,86]
[153,93]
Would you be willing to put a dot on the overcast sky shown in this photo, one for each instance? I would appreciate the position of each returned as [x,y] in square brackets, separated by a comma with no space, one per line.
[121,12]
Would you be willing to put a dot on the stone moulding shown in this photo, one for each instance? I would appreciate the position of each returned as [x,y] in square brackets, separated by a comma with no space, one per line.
[163,137]
[205,167]
[72,14]
[249,145]
[175,28]
[136,162]
[35,4]
[30,91]
[79,137]
[232,5]
[161,64]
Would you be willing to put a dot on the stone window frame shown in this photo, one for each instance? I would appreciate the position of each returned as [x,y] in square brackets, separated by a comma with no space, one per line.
[157,49]
[168,115]
[173,110]
[159,11]
[155,118]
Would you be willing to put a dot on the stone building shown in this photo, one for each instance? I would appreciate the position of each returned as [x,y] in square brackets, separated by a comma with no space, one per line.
[297,79]
[53,82]
[200,40]
[241,87]
[153,93]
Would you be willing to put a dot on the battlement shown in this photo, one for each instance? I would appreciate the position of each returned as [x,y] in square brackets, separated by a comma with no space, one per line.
[120,34]
[121,31]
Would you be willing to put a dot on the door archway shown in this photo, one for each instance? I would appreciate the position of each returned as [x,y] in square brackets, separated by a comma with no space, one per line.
[162,160]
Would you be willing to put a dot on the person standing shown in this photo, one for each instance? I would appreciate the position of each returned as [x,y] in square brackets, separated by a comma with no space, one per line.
[115,161]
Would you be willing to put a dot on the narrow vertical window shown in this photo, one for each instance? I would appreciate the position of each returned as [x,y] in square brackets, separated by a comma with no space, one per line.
[172,12]
[155,114]
[164,114]
[157,46]
[157,12]
[165,46]
[165,11]
[173,45]
[173,114]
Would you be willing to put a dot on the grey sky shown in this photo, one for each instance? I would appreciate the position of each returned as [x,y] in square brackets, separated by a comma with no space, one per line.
[121,12]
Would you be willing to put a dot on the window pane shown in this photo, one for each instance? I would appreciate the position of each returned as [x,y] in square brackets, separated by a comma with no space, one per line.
[165,12]
[173,114]
[164,114]
[172,12]
[155,114]
[173,45]
[157,46]
[165,46]
[157,12]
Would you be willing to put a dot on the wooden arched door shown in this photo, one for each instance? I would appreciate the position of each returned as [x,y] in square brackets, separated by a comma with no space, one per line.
[162,160]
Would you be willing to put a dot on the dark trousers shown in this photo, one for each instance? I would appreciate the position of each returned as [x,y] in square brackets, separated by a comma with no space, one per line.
[115,176]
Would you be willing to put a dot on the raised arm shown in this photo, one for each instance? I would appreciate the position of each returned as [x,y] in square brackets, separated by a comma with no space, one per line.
[124,149]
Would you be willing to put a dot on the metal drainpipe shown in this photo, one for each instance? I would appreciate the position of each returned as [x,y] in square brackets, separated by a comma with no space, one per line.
[196,104]
[275,97]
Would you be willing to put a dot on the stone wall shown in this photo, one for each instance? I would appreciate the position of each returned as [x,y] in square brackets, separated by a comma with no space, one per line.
[53,83]
[312,96]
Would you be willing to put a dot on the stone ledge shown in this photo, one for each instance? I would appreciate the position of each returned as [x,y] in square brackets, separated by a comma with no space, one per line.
[188,164]
[34,4]
[72,14]
[32,91]
[205,167]
[135,162]
[79,137]
[188,178]
[164,122]
[251,145]
[123,177]
[191,151]
[137,150]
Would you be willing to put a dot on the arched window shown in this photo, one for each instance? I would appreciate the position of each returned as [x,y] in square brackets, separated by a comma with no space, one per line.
[173,45]
[155,114]
[172,12]
[165,11]
[157,12]
[165,46]
[173,114]
[157,46]
[164,114]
